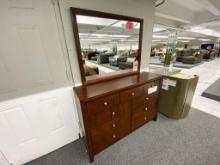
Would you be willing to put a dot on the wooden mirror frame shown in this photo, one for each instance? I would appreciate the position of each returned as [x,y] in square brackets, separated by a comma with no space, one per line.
[85,12]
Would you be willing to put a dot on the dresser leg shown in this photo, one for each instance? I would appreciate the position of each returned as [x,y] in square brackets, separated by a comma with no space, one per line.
[155,118]
[91,158]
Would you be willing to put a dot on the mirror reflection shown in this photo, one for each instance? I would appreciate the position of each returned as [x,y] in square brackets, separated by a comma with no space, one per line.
[108,46]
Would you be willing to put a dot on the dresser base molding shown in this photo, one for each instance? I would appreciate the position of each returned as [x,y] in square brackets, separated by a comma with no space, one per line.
[113,109]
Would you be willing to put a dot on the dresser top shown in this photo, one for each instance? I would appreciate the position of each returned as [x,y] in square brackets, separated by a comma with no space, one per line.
[89,92]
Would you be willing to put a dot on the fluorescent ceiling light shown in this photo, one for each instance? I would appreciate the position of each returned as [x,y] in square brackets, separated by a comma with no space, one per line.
[159,36]
[185,41]
[204,39]
[205,31]
[156,40]
[185,38]
[158,29]
[128,40]
[104,35]
[91,39]
[116,35]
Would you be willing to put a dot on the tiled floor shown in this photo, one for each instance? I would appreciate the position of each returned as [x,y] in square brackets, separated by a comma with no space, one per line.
[208,73]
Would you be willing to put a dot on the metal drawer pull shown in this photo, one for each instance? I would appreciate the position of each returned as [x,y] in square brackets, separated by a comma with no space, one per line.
[132,94]
[114,136]
[113,113]
[147,98]
[113,125]
[105,103]
[145,118]
[146,109]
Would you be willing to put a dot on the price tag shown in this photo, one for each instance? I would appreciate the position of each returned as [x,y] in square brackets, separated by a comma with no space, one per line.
[152,89]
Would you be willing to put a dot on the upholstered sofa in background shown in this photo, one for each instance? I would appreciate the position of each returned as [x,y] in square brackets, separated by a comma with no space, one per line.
[195,55]
[194,58]
[208,54]
[114,60]
[103,58]
[90,70]
[128,64]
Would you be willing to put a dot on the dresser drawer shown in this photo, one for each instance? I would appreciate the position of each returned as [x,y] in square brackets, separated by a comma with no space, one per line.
[102,103]
[142,115]
[106,135]
[109,114]
[131,94]
[139,119]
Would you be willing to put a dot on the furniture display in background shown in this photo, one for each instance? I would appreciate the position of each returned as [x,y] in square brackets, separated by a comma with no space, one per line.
[191,56]
[102,58]
[106,40]
[128,64]
[116,59]
[90,70]
[112,109]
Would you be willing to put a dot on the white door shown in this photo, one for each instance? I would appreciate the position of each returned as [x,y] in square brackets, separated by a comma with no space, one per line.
[40,115]
[31,57]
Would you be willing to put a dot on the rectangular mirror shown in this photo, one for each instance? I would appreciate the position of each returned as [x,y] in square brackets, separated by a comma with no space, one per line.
[108,45]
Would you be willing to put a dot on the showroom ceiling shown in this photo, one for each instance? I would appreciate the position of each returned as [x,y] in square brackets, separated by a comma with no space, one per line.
[201,16]
[199,20]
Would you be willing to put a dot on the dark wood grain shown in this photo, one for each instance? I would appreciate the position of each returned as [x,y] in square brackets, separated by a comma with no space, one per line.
[101,89]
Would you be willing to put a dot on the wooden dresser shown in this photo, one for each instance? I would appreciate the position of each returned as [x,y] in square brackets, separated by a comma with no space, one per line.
[112,109]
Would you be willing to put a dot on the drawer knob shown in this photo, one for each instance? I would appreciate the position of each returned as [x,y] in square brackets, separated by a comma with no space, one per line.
[105,103]
[113,125]
[113,113]
[145,118]
[132,94]
[114,136]
[147,98]
[146,109]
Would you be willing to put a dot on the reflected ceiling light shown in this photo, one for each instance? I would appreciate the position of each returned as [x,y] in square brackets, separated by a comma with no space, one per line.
[159,36]
[158,29]
[156,40]
[109,35]
[94,39]
[104,35]
[186,38]
[128,40]
[185,41]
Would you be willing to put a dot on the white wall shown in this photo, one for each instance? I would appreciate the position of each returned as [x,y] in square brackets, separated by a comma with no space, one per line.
[135,8]
[37,110]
